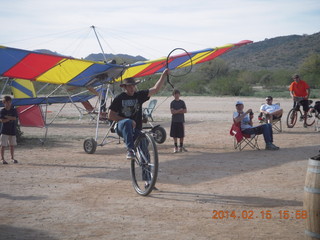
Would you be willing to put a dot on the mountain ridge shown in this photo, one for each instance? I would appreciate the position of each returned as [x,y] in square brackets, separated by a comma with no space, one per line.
[283,52]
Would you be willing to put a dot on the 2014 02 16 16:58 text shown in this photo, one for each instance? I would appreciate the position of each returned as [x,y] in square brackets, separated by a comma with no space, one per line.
[264,214]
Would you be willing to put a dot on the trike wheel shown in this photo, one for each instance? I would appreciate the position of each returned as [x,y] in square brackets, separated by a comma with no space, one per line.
[144,168]
[159,134]
[90,146]
[292,118]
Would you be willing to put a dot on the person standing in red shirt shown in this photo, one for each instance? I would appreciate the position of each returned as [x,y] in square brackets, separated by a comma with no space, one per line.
[300,92]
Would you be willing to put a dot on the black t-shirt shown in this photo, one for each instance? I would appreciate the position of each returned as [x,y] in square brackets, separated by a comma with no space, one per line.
[8,128]
[130,106]
[176,105]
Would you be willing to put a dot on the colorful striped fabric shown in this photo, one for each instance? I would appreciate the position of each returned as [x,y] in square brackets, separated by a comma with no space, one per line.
[49,100]
[17,63]
[183,60]
[56,69]
[29,115]
[23,89]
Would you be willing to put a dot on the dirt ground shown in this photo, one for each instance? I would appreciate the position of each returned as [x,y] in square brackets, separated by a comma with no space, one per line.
[213,191]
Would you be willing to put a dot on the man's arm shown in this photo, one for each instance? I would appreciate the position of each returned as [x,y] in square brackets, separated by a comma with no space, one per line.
[278,111]
[291,94]
[11,118]
[308,93]
[7,118]
[262,109]
[114,116]
[4,120]
[181,110]
[156,88]
[241,116]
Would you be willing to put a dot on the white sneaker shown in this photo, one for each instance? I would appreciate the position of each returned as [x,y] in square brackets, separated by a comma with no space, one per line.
[130,154]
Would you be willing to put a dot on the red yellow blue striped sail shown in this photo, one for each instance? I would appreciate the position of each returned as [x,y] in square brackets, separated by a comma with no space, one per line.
[146,68]
[56,69]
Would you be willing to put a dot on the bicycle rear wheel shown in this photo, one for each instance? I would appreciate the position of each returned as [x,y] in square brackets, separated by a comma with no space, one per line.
[311,117]
[144,168]
[292,118]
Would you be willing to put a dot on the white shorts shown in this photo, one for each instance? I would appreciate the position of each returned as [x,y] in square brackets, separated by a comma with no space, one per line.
[10,140]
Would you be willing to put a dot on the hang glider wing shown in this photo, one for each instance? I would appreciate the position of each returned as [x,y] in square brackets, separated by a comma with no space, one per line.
[146,68]
[48,100]
[55,69]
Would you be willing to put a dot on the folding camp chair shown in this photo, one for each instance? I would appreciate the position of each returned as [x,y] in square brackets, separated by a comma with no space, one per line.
[89,109]
[147,112]
[276,122]
[242,140]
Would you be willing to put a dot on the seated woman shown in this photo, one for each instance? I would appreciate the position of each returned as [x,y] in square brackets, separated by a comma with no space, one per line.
[271,111]
[245,118]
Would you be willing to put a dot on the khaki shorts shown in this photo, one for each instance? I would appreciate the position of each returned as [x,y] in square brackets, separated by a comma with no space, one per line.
[6,140]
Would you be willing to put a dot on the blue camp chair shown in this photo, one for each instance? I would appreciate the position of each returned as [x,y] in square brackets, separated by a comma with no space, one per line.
[147,112]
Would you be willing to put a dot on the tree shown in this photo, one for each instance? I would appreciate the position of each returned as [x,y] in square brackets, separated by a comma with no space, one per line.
[311,64]
[215,68]
[310,70]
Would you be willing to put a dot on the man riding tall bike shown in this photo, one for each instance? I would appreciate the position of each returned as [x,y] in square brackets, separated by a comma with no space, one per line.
[300,92]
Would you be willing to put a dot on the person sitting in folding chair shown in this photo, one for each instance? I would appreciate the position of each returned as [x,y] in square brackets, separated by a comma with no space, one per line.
[271,111]
[241,140]
[247,127]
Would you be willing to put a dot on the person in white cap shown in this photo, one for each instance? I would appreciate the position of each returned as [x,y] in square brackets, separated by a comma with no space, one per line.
[245,118]
[126,110]
[271,111]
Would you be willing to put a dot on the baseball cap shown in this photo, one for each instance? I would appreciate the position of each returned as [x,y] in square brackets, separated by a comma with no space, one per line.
[295,75]
[239,103]
[269,97]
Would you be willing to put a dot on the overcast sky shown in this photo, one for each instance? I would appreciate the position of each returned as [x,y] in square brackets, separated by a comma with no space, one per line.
[147,27]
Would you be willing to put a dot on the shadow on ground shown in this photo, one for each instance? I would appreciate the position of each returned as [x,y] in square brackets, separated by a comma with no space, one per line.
[21,233]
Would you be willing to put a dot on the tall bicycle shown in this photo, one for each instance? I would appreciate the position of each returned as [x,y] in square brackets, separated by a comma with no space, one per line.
[144,168]
[295,113]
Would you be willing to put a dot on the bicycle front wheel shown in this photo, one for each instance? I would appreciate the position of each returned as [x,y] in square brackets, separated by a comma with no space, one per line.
[144,168]
[292,118]
[311,117]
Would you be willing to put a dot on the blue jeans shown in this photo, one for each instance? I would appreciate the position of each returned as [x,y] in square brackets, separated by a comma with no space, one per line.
[265,129]
[126,131]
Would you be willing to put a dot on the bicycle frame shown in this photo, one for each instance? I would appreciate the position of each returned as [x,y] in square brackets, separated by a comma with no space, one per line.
[309,118]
